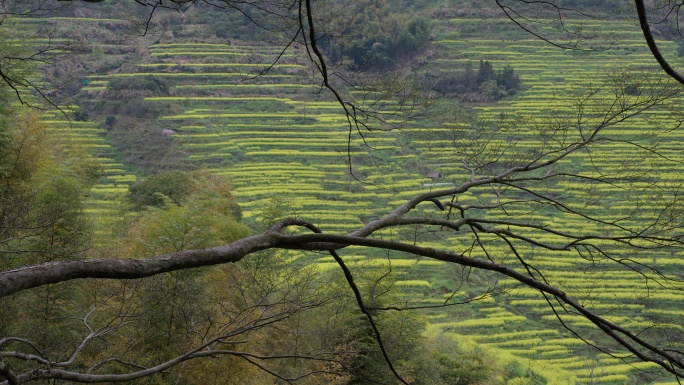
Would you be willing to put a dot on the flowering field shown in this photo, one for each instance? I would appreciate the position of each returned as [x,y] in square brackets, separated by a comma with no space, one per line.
[277,137]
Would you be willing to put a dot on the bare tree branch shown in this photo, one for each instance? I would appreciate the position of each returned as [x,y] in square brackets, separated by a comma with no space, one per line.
[650,41]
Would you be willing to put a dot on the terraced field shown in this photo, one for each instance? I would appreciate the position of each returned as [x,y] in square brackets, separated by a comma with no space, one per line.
[272,135]
[104,203]
[276,136]
[548,75]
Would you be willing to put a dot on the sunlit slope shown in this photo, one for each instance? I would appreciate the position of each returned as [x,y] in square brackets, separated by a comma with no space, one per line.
[275,138]
[274,135]
[278,137]
[550,75]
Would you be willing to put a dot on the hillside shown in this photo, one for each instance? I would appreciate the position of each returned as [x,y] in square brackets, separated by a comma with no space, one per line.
[183,98]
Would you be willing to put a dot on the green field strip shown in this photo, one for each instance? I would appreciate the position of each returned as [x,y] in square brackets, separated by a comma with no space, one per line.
[294,142]
[520,343]
[239,75]
[238,176]
[191,115]
[215,99]
[502,337]
[303,154]
[618,369]
[205,52]
[252,49]
[94,88]
[475,323]
[587,283]
[273,67]
[243,88]
[274,166]
[542,353]
[338,136]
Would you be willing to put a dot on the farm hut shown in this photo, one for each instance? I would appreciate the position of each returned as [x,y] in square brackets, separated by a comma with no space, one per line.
[52,93]
[168,132]
[434,175]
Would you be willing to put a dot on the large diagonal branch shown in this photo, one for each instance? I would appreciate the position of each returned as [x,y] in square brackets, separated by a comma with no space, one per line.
[27,277]
[12,281]
[33,276]
[650,41]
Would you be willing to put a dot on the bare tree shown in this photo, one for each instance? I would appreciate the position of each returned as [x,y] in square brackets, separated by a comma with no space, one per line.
[504,176]
[593,123]
[539,17]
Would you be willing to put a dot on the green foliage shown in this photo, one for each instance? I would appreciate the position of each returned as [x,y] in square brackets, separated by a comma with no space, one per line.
[521,375]
[180,188]
[81,115]
[155,191]
[376,36]
[401,332]
[680,47]
[192,226]
[154,84]
[178,211]
[273,209]
[59,205]
[485,84]
[42,186]
[97,50]
[17,63]
[463,370]
[441,360]
[44,178]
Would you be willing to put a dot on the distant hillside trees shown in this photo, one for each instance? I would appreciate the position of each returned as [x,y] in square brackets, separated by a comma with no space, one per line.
[147,84]
[377,37]
[680,48]
[180,188]
[485,84]
[41,191]
[143,144]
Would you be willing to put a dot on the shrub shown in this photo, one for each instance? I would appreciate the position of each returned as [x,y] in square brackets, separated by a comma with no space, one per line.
[146,83]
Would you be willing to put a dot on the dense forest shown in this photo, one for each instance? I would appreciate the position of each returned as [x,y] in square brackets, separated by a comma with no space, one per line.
[349,192]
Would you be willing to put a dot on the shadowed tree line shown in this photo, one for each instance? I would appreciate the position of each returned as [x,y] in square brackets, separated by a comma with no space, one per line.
[483,84]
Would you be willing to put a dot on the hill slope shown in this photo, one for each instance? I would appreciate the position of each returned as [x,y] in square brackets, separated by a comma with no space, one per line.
[198,103]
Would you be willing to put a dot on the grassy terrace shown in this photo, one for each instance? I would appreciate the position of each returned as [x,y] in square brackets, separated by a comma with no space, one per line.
[274,145]
[550,75]
[115,176]
[276,138]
